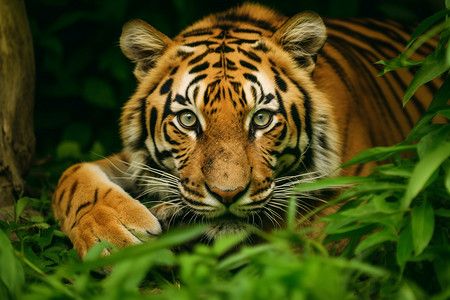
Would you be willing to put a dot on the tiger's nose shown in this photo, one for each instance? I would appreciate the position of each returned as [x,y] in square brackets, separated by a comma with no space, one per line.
[227,196]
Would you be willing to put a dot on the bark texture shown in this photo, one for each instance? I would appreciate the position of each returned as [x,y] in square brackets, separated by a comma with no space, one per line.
[17,77]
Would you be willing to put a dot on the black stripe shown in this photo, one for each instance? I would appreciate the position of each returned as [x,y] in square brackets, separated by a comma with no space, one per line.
[167,110]
[250,54]
[95,197]
[165,88]
[174,70]
[295,116]
[168,138]
[233,17]
[243,41]
[281,84]
[250,77]
[198,58]
[197,32]
[107,192]
[248,65]
[139,143]
[353,55]
[199,68]
[61,197]
[153,119]
[199,43]
[82,206]
[246,30]
[73,189]
[72,192]
[281,108]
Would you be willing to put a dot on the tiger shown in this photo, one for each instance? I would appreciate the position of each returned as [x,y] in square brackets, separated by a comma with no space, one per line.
[233,113]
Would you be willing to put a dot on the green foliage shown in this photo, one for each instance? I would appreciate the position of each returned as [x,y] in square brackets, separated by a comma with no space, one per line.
[395,222]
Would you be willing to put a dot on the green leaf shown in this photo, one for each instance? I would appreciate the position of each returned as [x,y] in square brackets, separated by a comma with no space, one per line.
[422,223]
[20,206]
[167,240]
[423,126]
[442,95]
[11,271]
[425,25]
[128,274]
[378,153]
[433,139]
[405,245]
[399,62]
[446,167]
[328,182]
[432,68]
[384,206]
[377,238]
[423,171]
[228,242]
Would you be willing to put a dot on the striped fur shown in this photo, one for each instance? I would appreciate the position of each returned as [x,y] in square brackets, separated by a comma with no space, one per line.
[230,115]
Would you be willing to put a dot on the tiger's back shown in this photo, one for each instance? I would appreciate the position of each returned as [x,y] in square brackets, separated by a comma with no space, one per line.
[370,107]
[229,116]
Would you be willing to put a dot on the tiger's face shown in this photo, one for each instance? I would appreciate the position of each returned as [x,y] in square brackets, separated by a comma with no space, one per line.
[230,111]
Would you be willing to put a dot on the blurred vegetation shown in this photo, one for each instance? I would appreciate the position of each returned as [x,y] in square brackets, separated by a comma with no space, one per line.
[83,79]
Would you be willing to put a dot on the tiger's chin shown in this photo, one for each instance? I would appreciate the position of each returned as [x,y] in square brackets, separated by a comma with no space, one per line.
[218,229]
[171,216]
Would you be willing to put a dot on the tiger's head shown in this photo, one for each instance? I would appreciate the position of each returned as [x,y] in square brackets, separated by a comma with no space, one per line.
[226,118]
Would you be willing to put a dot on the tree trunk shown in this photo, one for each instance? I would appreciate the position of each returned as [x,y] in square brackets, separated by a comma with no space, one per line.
[17,76]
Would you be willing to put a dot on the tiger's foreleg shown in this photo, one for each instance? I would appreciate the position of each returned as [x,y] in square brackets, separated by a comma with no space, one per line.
[92,205]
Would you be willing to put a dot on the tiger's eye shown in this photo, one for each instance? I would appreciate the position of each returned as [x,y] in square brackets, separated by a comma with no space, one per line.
[187,119]
[262,118]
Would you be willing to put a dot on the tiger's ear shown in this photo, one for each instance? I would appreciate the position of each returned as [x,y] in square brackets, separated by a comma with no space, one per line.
[302,36]
[143,45]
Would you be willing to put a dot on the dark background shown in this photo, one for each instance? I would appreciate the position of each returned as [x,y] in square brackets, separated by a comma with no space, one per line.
[82,79]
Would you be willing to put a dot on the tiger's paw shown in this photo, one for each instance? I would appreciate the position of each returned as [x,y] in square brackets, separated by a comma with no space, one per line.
[123,225]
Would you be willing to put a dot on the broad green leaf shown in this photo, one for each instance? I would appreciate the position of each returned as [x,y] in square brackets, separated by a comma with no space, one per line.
[128,274]
[446,167]
[228,242]
[405,245]
[384,206]
[399,62]
[423,126]
[426,36]
[377,238]
[241,258]
[328,183]
[425,25]
[441,97]
[291,214]
[442,269]
[378,153]
[11,271]
[422,223]
[20,206]
[393,170]
[424,169]
[433,139]
[167,240]
[433,67]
